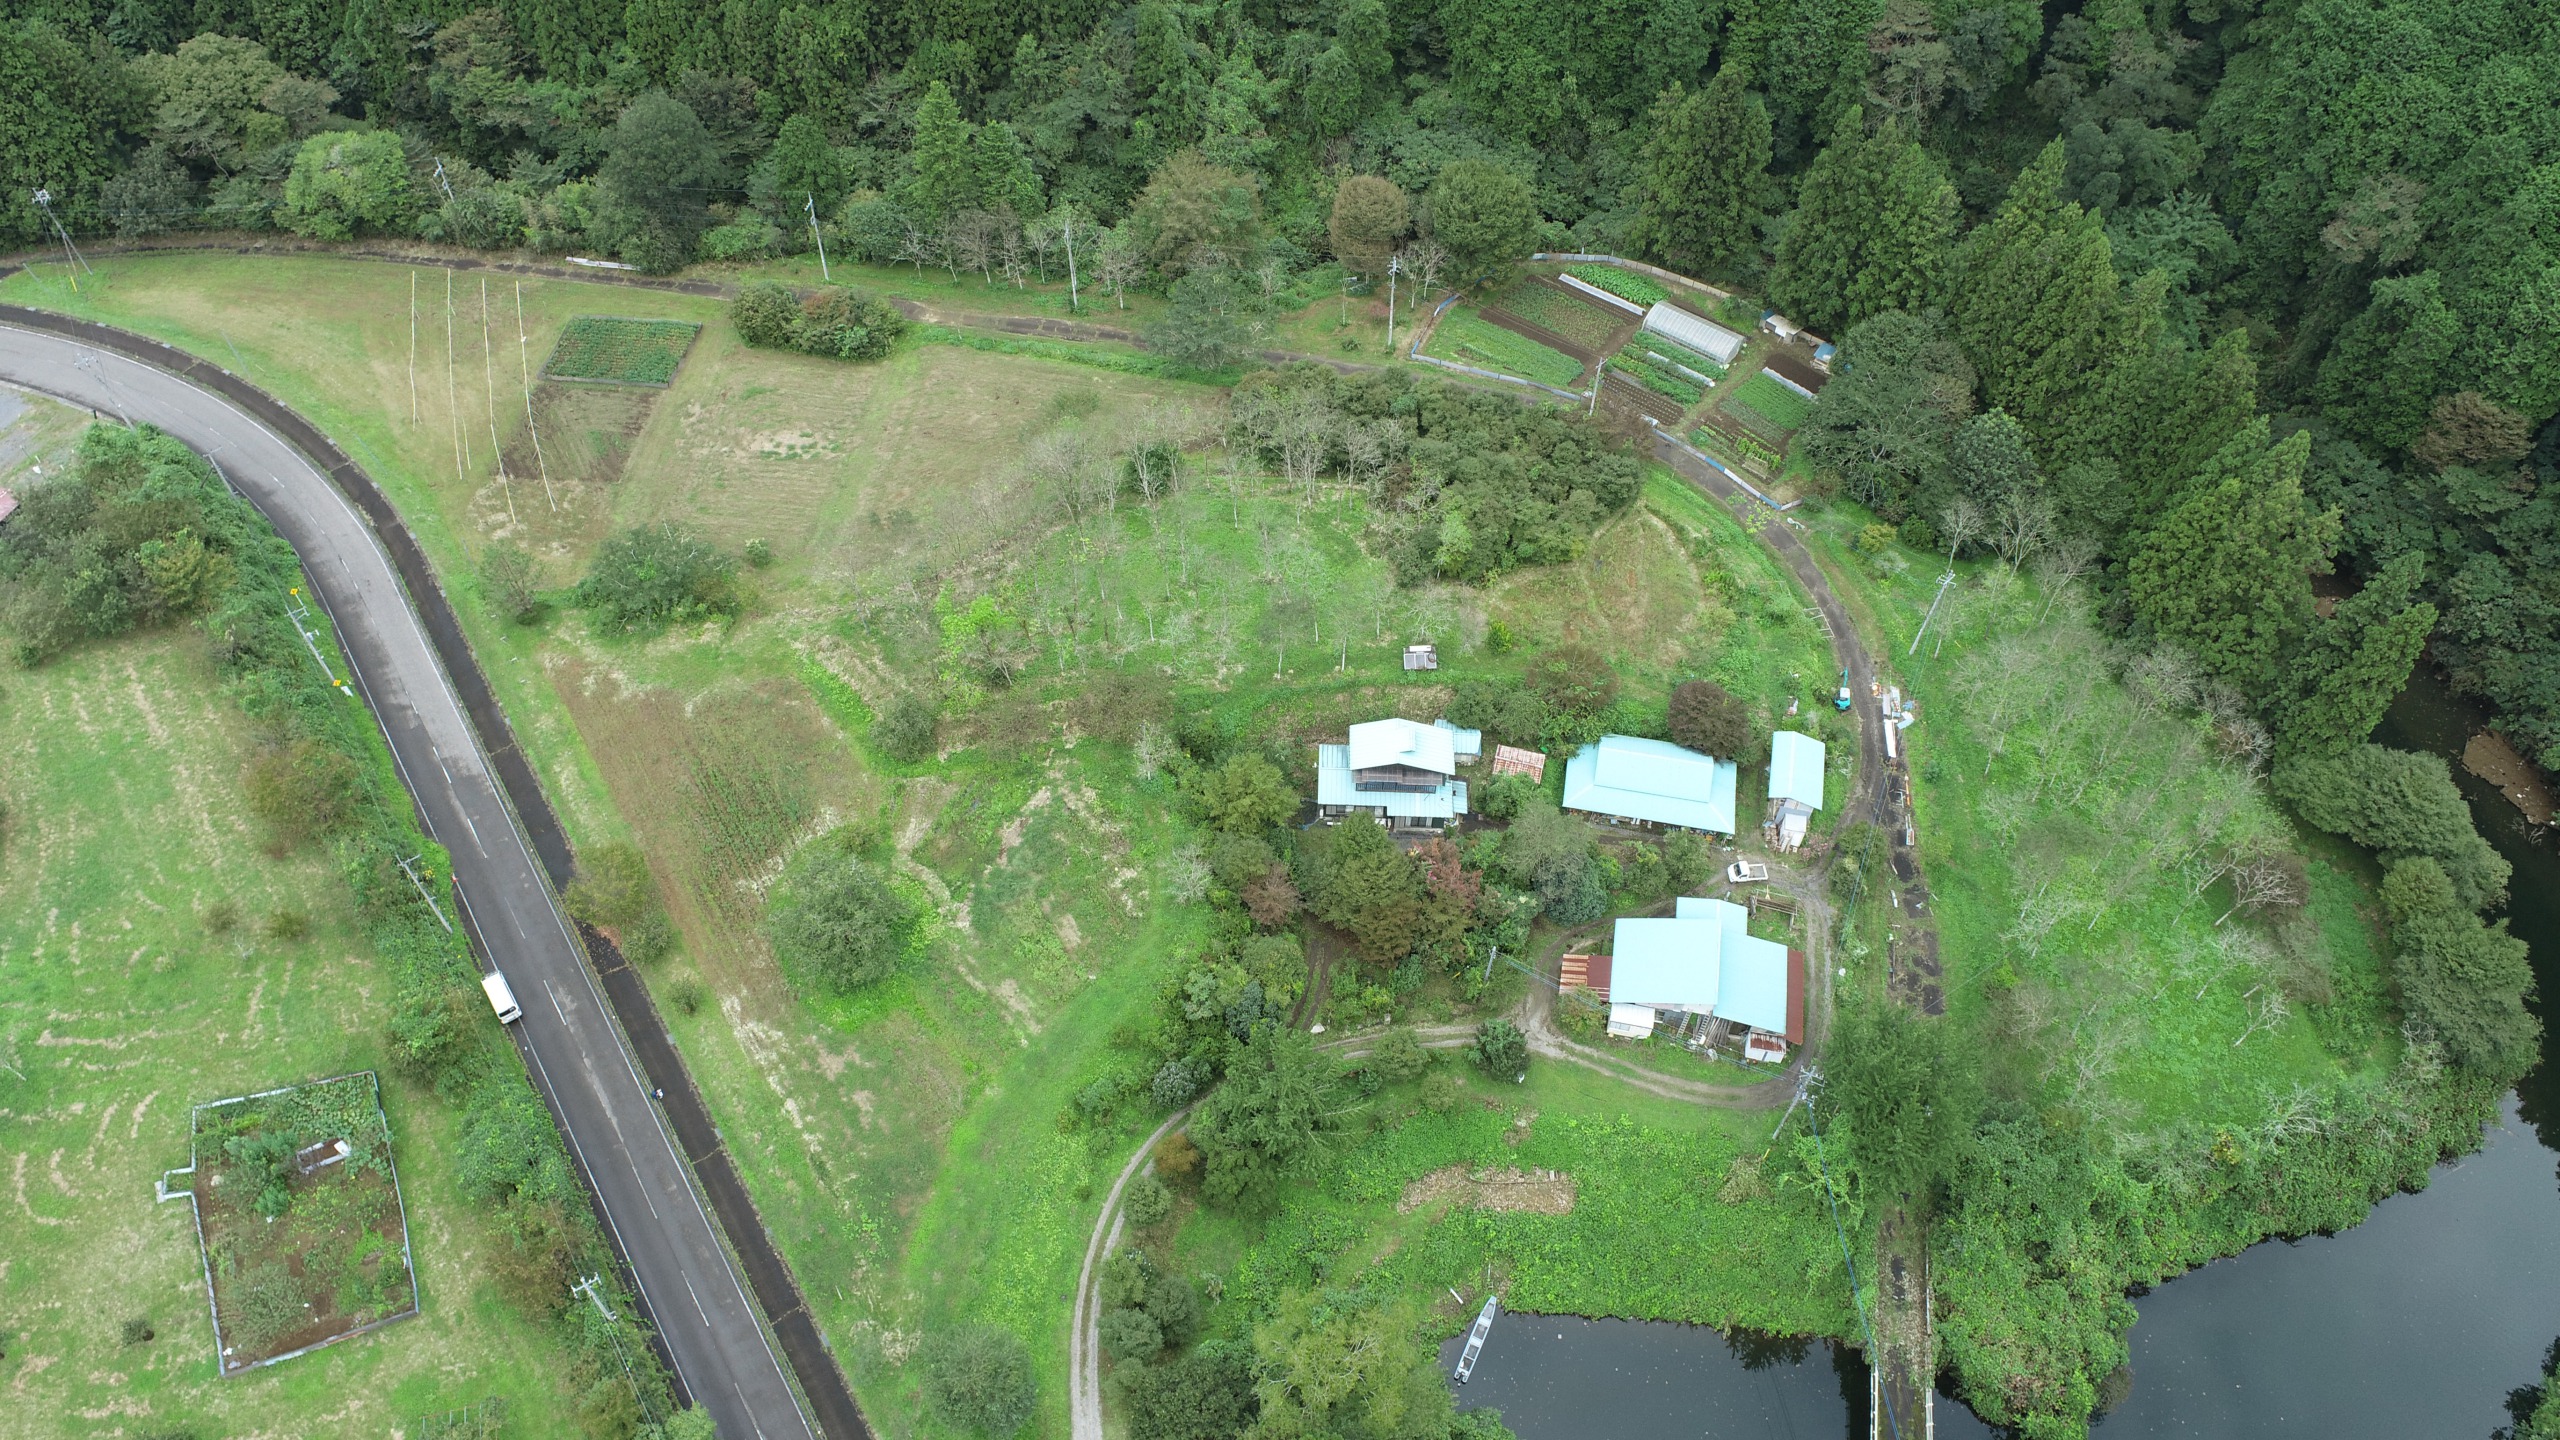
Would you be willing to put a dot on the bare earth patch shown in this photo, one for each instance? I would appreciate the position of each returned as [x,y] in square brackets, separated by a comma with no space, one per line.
[1539,1192]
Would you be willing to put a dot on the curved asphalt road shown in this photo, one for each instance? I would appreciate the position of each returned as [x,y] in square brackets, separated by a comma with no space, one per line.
[693,1293]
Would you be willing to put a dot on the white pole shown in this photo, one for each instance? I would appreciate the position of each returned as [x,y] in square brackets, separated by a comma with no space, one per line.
[524,364]
[1072,303]
[413,347]
[822,237]
[1395,267]
[489,392]
[452,394]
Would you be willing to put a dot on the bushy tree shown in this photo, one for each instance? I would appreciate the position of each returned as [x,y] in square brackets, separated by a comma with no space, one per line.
[836,917]
[2401,804]
[2228,574]
[1885,423]
[2383,374]
[1705,718]
[1705,169]
[1486,215]
[800,167]
[1370,218]
[1205,1395]
[1265,1120]
[348,183]
[659,171]
[1502,797]
[652,576]
[1146,1202]
[1552,853]
[1196,216]
[978,1377]
[843,323]
[1905,1087]
[2355,661]
[2462,980]
[1399,1057]
[1244,795]
[767,314]
[1872,228]
[905,731]
[1500,1050]
[1216,317]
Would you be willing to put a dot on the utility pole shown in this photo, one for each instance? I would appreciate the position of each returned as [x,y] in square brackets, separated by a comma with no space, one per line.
[77,261]
[823,271]
[413,347]
[588,1288]
[1943,582]
[524,367]
[429,897]
[1395,268]
[447,184]
[1070,227]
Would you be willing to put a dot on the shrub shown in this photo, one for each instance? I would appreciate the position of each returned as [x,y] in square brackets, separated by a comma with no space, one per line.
[303,790]
[1503,796]
[1147,1201]
[848,324]
[687,996]
[1439,1092]
[1130,1335]
[759,553]
[287,924]
[1175,1085]
[905,730]
[837,918]
[2401,804]
[513,582]
[1399,1056]
[1575,679]
[1244,795]
[652,576]
[766,313]
[979,1378]
[1687,864]
[1500,1050]
[612,888]
[138,1331]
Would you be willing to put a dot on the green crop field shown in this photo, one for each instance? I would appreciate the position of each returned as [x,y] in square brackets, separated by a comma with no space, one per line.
[151,958]
[1546,306]
[622,351]
[1625,284]
[1468,339]
[1633,363]
[1770,401]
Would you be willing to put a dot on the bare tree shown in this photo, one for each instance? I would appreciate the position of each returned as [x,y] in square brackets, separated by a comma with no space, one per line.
[2061,566]
[2266,1008]
[1153,749]
[1424,259]
[1960,520]
[2025,523]
[1009,252]
[1057,463]
[2267,880]
[918,243]
[1042,234]
[1305,432]
[1364,454]
[1186,876]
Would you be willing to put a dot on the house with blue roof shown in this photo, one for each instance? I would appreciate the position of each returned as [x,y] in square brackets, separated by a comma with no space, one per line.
[1795,787]
[1654,783]
[1402,772]
[1700,964]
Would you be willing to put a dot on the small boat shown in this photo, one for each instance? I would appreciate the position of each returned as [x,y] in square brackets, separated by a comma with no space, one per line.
[1475,1338]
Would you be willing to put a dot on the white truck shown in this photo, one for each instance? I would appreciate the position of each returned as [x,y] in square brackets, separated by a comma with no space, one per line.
[502,998]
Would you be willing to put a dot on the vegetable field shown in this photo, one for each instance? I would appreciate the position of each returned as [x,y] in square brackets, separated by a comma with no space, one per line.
[1468,339]
[305,1238]
[1769,401]
[617,351]
[1633,363]
[1550,308]
[1625,284]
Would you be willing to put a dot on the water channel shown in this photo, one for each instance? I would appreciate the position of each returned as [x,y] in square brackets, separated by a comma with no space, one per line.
[2418,1322]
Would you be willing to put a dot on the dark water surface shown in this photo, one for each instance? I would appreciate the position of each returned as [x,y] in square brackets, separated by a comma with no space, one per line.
[2414,1325]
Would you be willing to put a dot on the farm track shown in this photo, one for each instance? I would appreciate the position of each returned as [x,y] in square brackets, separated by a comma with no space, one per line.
[587,1035]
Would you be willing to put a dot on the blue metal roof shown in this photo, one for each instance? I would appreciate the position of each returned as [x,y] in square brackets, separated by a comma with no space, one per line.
[1334,787]
[1795,768]
[1669,964]
[1469,744]
[1751,983]
[1654,780]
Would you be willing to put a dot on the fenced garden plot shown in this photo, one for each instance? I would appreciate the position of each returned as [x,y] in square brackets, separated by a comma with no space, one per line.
[1552,309]
[611,350]
[1662,350]
[299,1213]
[1467,338]
[1724,433]
[1770,402]
[1625,284]
[1661,379]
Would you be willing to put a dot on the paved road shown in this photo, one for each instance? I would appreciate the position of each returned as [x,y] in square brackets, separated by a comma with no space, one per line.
[693,1293]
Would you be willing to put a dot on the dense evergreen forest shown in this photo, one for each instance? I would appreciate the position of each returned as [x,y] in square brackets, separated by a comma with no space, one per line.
[2071,249]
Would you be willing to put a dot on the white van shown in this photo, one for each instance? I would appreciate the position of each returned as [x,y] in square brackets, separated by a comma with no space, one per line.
[501,998]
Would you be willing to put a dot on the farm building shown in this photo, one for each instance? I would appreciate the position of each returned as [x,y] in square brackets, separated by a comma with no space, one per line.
[1795,787]
[1423,656]
[1651,782]
[1468,744]
[1797,375]
[1702,970]
[1704,336]
[1402,772]
[1512,760]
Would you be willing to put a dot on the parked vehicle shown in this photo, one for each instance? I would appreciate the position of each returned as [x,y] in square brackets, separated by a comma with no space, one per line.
[1746,872]
[502,997]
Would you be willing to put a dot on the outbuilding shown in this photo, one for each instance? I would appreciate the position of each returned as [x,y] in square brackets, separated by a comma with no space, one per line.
[1682,328]
[1795,787]
[1652,783]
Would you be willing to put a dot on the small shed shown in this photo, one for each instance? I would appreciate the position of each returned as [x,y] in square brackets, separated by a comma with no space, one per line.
[1585,972]
[1422,656]
[1704,336]
[1512,760]
[1795,786]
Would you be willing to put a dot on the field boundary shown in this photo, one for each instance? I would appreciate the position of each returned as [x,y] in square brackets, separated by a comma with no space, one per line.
[809,1358]
[408,1258]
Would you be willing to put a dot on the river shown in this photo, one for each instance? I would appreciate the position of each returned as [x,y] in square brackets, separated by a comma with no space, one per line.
[2418,1322]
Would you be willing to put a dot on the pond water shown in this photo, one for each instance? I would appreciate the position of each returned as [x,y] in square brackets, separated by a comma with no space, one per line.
[2418,1322]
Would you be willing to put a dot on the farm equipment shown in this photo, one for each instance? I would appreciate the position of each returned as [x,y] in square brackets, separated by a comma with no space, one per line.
[1842,703]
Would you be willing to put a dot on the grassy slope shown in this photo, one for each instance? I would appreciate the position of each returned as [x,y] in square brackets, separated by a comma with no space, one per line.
[121,765]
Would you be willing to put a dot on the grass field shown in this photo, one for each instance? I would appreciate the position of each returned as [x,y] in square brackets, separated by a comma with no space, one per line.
[150,958]
[619,351]
[1466,338]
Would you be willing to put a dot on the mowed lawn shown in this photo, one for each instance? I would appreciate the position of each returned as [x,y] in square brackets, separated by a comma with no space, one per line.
[125,999]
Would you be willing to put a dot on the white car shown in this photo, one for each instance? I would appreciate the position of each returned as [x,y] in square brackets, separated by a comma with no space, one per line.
[1745,872]
[502,997]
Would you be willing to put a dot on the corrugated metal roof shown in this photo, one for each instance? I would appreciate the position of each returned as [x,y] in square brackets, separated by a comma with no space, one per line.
[1334,787]
[1468,743]
[1795,767]
[1651,780]
[1402,742]
[1751,983]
